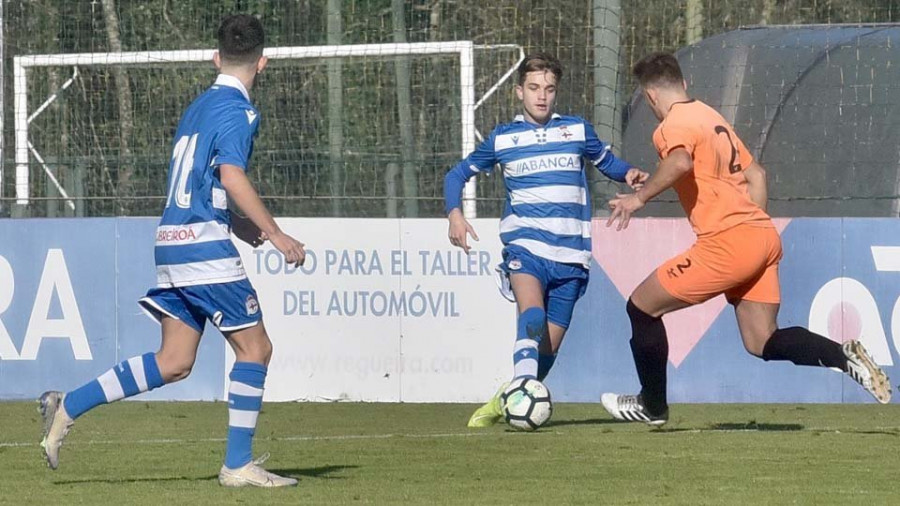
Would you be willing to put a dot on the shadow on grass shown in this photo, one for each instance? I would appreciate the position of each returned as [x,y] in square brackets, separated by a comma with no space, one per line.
[589,421]
[762,427]
[323,472]
[734,427]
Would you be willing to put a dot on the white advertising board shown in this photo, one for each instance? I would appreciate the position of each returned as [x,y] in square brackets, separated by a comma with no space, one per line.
[383,310]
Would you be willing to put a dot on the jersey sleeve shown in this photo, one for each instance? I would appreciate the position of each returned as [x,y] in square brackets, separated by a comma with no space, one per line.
[234,144]
[480,160]
[676,133]
[483,158]
[600,154]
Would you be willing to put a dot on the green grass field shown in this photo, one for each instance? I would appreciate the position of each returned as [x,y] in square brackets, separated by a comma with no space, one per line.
[170,453]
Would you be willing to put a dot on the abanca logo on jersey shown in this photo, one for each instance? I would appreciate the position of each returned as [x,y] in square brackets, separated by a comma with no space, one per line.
[537,164]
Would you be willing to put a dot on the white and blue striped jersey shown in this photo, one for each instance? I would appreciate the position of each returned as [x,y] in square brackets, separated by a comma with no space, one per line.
[548,205]
[193,241]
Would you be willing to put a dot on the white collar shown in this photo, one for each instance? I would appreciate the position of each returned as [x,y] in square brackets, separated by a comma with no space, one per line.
[232,82]
[521,117]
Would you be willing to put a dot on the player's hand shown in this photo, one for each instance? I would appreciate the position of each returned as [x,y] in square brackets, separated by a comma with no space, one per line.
[635,178]
[291,248]
[459,229]
[245,230]
[622,207]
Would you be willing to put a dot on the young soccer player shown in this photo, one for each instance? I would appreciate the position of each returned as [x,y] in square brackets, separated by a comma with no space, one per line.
[199,272]
[723,191]
[546,224]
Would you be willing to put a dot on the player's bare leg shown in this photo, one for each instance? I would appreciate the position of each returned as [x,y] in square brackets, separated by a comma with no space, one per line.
[178,349]
[174,359]
[650,348]
[548,348]
[756,322]
[762,338]
[253,350]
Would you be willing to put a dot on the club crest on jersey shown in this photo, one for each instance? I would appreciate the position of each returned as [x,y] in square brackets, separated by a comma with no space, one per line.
[564,132]
[252,305]
[514,264]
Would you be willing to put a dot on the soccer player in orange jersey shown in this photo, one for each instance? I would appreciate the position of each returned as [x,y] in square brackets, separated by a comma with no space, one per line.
[723,191]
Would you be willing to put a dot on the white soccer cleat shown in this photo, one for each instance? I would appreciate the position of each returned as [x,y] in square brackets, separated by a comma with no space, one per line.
[254,476]
[630,408]
[866,372]
[56,424]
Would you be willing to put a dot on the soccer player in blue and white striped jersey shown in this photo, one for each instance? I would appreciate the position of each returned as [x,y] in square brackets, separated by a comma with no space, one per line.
[200,276]
[546,223]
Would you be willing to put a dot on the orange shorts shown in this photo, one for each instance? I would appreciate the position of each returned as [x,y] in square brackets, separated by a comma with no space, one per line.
[741,262]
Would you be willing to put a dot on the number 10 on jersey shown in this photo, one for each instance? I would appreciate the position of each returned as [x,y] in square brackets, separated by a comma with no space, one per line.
[182,165]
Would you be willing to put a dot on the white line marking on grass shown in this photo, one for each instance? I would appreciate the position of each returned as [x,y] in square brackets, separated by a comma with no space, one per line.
[353,437]
[345,437]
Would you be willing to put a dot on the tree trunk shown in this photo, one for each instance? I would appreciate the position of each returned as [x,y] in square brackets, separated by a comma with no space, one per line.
[404,113]
[335,110]
[768,12]
[390,188]
[126,109]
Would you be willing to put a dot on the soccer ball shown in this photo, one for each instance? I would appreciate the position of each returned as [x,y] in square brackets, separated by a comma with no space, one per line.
[526,404]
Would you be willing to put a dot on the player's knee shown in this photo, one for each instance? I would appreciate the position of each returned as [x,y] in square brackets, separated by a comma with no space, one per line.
[753,349]
[259,351]
[755,342]
[174,369]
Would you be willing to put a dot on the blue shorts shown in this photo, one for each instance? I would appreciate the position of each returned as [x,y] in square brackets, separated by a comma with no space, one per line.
[229,306]
[563,284]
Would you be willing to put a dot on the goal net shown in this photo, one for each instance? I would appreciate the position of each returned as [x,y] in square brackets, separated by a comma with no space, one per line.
[353,130]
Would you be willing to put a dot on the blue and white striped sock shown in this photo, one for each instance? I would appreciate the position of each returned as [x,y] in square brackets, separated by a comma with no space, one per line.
[531,327]
[131,377]
[244,402]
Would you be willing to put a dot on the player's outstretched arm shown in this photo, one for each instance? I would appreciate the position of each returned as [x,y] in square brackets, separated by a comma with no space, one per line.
[755,175]
[244,195]
[609,164]
[670,170]
[482,159]
[460,227]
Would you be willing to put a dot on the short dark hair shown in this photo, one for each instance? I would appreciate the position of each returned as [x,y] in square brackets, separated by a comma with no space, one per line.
[658,69]
[540,61]
[241,39]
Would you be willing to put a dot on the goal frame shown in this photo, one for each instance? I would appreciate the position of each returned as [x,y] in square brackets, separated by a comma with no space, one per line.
[21,65]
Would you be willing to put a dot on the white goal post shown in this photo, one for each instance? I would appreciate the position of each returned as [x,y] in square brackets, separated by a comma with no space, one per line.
[21,65]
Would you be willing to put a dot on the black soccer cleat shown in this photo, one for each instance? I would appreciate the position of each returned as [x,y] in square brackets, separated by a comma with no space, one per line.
[630,408]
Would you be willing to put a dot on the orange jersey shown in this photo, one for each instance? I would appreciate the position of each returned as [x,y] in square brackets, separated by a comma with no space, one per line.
[714,195]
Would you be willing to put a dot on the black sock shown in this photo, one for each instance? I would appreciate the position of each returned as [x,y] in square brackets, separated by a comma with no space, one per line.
[650,348]
[803,347]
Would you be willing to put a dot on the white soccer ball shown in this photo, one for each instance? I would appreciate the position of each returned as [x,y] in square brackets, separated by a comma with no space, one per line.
[526,404]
